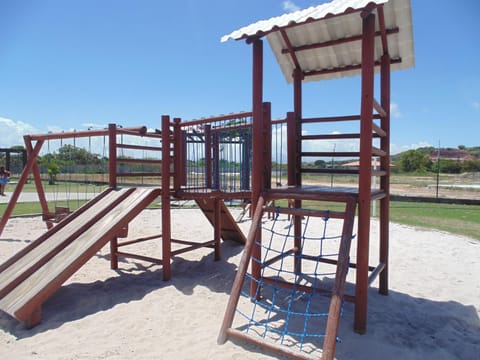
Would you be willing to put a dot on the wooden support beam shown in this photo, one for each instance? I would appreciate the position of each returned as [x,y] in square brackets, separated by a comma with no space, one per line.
[290,49]
[112,155]
[166,215]
[330,43]
[345,68]
[385,180]
[258,150]
[365,175]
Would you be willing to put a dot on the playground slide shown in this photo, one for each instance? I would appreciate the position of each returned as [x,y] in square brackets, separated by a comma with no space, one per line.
[29,278]
[229,227]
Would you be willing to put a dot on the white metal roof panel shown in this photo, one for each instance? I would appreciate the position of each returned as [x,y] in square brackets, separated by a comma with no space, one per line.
[336,20]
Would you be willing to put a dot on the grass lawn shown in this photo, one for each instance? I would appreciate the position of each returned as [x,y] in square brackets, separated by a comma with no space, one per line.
[456,219]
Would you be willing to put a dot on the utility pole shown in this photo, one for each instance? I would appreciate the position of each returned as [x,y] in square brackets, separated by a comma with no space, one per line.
[438,168]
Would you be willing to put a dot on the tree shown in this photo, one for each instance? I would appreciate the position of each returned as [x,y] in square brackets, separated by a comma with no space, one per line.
[414,160]
[71,154]
[53,168]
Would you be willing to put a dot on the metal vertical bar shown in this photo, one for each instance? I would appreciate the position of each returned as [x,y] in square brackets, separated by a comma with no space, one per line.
[365,177]
[385,166]
[258,147]
[7,160]
[166,216]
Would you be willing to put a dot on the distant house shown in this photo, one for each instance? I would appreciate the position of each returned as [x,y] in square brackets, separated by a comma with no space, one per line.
[356,164]
[455,154]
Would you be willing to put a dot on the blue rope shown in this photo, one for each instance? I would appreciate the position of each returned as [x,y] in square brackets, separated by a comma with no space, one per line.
[280,304]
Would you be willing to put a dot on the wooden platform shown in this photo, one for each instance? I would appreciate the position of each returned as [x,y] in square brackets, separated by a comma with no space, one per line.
[30,277]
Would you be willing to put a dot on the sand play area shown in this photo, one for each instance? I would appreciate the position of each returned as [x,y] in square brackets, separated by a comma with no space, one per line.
[432,312]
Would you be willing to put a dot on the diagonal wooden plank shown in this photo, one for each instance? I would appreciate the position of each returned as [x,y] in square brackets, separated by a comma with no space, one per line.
[25,299]
[230,229]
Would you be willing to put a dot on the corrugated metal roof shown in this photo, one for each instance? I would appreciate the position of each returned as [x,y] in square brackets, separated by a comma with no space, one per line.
[337,20]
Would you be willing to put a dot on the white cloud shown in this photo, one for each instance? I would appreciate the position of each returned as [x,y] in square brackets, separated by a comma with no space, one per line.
[395,110]
[13,131]
[290,6]
[396,149]
[476,105]
[94,126]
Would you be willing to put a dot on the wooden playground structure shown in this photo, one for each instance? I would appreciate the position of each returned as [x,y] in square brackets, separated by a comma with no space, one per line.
[194,162]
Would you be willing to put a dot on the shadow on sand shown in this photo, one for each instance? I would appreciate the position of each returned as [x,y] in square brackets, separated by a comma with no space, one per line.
[397,323]
[131,284]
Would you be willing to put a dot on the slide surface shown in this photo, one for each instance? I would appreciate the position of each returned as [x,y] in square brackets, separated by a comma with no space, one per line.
[31,276]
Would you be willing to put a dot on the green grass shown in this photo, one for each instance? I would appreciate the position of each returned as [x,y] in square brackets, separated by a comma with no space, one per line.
[456,219]
[34,208]
[60,187]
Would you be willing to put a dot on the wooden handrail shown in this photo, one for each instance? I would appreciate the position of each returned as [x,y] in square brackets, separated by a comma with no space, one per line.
[139,147]
[330,171]
[330,154]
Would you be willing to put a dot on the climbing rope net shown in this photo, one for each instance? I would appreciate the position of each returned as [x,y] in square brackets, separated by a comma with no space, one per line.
[291,300]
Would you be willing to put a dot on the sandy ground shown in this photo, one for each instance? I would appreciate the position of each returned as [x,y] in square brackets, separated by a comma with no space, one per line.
[432,311]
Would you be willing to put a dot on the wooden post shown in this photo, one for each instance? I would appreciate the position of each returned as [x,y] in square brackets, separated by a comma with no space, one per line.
[291,149]
[112,156]
[32,159]
[297,109]
[365,174]
[240,275]
[184,158]
[37,179]
[166,216]
[112,182]
[297,220]
[217,227]
[35,317]
[258,148]
[267,136]
[114,253]
[179,156]
[385,180]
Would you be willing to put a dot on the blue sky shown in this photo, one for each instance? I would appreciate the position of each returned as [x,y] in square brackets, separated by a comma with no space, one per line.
[73,64]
